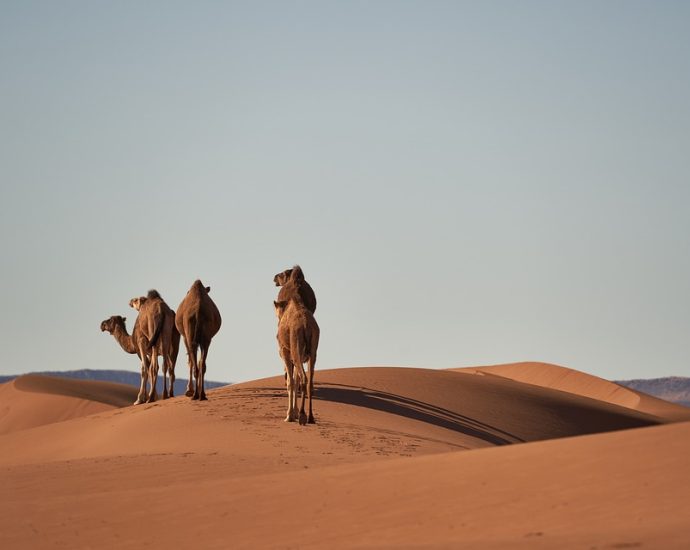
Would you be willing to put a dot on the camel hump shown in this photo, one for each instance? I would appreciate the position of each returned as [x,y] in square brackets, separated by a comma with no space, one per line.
[153,293]
[198,286]
[297,274]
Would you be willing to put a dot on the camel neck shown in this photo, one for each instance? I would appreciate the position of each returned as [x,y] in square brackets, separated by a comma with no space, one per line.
[124,339]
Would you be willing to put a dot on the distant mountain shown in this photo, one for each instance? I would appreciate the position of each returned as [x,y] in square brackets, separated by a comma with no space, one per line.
[121,376]
[672,388]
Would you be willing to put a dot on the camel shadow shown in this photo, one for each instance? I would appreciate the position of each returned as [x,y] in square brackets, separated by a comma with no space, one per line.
[415,410]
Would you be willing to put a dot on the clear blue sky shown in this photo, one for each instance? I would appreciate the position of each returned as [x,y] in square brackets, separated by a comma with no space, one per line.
[463,183]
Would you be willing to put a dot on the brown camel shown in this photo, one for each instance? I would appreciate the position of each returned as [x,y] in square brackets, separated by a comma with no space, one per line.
[198,321]
[298,340]
[151,323]
[301,286]
[133,344]
[170,343]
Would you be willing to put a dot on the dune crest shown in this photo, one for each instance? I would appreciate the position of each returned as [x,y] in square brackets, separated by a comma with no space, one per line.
[34,400]
[568,380]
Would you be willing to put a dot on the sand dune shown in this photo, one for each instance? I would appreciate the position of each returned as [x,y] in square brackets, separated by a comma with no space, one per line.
[382,468]
[568,380]
[360,411]
[33,400]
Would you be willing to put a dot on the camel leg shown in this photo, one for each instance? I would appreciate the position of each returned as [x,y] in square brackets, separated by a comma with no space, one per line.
[310,388]
[165,377]
[195,368]
[144,378]
[290,390]
[303,394]
[202,373]
[190,383]
[189,392]
[192,372]
[153,374]
[171,373]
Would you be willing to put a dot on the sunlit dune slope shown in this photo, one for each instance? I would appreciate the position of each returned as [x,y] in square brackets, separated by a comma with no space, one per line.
[361,413]
[33,400]
[580,383]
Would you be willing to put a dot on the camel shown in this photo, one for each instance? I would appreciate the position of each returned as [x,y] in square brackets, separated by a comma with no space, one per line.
[198,321]
[150,324]
[298,340]
[170,343]
[132,343]
[305,291]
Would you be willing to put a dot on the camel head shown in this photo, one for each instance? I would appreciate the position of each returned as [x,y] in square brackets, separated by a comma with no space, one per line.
[281,278]
[137,302]
[111,323]
[294,274]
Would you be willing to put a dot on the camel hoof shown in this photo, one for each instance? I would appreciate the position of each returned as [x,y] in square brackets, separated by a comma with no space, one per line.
[289,418]
[195,397]
[138,402]
[311,420]
[302,419]
[203,397]
[189,393]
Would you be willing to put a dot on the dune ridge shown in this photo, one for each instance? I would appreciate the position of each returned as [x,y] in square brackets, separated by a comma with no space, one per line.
[109,393]
[34,400]
[579,383]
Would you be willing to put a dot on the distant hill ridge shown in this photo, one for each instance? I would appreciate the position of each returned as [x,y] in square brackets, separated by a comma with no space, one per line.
[119,376]
[670,388]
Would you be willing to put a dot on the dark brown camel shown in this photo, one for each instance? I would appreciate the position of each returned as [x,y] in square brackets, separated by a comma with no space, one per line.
[298,340]
[198,321]
[301,286]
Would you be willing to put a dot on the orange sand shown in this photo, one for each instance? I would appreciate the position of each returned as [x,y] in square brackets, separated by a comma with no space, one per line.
[384,467]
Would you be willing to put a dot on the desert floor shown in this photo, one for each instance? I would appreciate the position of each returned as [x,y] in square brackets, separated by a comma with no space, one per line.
[526,455]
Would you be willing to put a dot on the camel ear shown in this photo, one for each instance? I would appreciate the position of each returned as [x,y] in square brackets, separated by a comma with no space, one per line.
[208,289]
[124,319]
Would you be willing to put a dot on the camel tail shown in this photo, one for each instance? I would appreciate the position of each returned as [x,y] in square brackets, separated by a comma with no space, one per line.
[298,346]
[193,342]
[156,335]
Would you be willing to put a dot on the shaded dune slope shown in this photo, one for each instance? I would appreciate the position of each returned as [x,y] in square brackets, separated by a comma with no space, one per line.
[572,381]
[487,411]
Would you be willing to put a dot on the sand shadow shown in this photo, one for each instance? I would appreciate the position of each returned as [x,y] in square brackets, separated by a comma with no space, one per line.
[415,410]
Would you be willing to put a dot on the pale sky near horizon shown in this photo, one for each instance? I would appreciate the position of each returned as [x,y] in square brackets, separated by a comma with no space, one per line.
[463,183]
